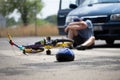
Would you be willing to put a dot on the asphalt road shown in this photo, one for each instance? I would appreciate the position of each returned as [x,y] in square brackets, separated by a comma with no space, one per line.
[100,63]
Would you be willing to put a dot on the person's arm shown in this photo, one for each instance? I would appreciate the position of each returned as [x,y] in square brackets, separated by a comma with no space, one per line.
[76,26]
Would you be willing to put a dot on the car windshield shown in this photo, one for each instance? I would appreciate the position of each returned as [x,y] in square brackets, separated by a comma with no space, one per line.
[87,2]
[65,3]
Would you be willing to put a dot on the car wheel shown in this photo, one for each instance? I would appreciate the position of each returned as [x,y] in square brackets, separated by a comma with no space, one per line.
[110,41]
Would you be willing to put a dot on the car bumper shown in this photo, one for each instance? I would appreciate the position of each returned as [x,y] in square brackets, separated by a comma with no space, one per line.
[107,31]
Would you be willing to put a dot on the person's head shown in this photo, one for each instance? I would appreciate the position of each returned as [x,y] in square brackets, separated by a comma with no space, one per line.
[81,19]
[77,19]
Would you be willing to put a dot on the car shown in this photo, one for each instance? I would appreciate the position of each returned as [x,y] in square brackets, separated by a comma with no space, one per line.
[104,14]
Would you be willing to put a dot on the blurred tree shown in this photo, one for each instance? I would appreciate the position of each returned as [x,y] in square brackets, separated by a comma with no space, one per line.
[10,22]
[27,8]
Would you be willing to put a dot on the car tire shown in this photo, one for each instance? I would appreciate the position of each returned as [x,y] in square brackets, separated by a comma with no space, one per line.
[110,41]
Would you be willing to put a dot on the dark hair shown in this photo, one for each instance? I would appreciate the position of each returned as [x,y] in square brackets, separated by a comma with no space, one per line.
[76,19]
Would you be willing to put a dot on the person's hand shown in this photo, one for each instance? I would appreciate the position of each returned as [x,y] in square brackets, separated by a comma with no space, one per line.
[66,29]
[70,26]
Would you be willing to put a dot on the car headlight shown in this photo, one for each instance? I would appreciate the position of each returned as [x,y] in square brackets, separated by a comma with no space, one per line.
[115,17]
[70,19]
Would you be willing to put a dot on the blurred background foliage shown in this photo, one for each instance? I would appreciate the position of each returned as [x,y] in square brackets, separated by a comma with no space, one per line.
[27,10]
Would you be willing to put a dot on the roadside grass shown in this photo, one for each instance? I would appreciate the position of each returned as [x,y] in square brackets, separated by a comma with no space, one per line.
[30,30]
